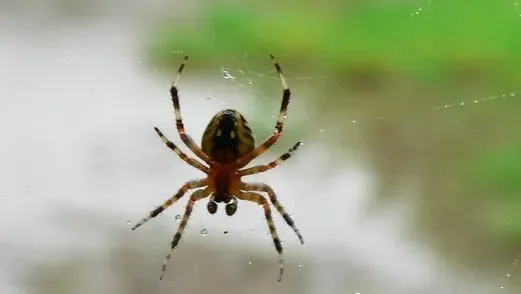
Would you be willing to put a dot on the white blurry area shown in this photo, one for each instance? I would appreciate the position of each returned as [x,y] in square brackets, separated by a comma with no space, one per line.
[77,109]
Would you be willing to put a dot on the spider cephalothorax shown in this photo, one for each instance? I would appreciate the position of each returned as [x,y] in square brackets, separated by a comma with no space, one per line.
[227,147]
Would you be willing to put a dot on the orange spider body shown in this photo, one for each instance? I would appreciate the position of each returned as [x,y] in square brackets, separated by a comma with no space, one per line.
[227,147]
[226,138]
[225,181]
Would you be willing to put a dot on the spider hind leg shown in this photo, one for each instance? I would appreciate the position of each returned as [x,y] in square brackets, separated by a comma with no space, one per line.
[187,186]
[257,198]
[197,195]
[273,198]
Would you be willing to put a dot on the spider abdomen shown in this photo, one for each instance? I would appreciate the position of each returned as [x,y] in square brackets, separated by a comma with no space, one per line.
[227,137]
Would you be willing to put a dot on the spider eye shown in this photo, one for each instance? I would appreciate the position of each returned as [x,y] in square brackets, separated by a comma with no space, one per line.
[231,208]
[212,207]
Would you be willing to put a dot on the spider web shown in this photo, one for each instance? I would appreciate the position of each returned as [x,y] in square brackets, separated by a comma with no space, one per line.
[421,8]
[245,79]
[249,82]
[426,4]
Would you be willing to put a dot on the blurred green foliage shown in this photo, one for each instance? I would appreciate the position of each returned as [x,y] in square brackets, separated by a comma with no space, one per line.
[446,35]
[496,178]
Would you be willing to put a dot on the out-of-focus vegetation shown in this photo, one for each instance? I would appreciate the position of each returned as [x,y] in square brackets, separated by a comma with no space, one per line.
[383,58]
[496,178]
[447,35]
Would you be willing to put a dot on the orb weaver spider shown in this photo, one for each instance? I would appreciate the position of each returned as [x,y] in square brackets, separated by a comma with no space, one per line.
[227,147]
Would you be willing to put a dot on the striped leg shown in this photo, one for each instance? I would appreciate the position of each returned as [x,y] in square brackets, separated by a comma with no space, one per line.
[179,120]
[183,156]
[197,195]
[262,168]
[244,160]
[189,185]
[276,203]
[257,198]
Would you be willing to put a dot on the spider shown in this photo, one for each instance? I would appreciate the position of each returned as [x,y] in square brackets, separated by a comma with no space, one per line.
[227,147]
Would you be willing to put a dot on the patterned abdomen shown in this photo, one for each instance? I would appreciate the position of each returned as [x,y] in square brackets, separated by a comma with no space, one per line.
[227,137]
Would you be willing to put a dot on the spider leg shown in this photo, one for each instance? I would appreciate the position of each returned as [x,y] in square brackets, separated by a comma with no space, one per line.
[187,186]
[181,154]
[179,120]
[257,198]
[262,168]
[276,203]
[197,195]
[245,159]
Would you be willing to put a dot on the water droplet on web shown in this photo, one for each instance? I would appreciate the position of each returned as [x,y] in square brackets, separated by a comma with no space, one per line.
[204,232]
[354,121]
[512,94]
[475,101]
[128,222]
[300,265]
[508,275]
[250,82]
[420,9]
[321,130]
[227,75]
[178,217]
[250,263]
[462,103]
[500,286]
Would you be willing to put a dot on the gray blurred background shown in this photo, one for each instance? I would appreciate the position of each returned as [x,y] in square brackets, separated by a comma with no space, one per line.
[408,181]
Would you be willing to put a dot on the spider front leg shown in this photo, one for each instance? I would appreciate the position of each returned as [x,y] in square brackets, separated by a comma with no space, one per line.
[273,198]
[189,142]
[257,198]
[197,195]
[189,185]
[286,94]
[181,154]
[262,168]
